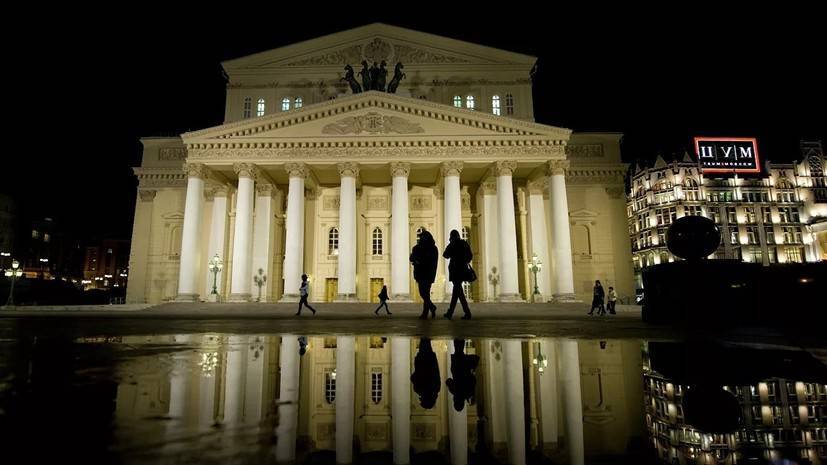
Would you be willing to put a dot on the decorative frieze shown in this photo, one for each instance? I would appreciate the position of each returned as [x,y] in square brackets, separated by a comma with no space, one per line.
[246,170]
[172,154]
[160,177]
[400,168]
[584,151]
[451,168]
[421,202]
[348,169]
[330,203]
[377,203]
[372,123]
[601,176]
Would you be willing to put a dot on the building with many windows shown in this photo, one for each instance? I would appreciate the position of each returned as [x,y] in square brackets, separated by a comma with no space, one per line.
[305,176]
[779,216]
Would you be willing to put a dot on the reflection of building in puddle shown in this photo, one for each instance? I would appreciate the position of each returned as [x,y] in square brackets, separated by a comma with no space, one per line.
[352,395]
[780,417]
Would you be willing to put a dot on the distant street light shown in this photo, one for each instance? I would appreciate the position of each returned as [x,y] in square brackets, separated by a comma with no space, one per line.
[13,273]
[216,265]
[535,266]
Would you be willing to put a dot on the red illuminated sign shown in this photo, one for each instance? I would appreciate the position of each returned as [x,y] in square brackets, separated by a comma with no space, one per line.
[727,154]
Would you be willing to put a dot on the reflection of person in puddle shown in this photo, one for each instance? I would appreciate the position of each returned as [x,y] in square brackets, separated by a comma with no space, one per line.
[425,378]
[463,383]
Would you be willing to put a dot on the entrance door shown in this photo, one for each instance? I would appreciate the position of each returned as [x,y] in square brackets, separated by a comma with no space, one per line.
[331,289]
[375,288]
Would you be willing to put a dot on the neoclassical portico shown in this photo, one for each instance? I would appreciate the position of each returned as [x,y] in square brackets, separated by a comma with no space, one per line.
[352,165]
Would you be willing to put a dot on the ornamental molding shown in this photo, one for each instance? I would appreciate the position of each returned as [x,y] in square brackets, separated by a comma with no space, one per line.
[596,176]
[160,177]
[172,154]
[372,152]
[584,151]
[372,123]
[400,168]
[374,50]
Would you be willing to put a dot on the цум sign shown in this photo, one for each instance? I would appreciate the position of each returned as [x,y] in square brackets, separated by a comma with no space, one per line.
[727,154]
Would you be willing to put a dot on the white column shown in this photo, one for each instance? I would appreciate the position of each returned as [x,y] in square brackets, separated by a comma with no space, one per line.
[457,421]
[288,402]
[218,236]
[254,401]
[347,232]
[263,240]
[561,246]
[345,379]
[507,240]
[234,380]
[400,233]
[548,395]
[401,399]
[294,232]
[572,400]
[539,236]
[243,237]
[191,234]
[513,364]
[490,247]
[179,384]
[452,217]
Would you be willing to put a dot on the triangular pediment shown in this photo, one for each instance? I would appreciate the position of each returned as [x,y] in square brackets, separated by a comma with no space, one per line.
[376,116]
[375,43]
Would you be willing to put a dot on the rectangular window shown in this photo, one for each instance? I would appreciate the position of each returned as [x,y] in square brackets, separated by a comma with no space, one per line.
[749,213]
[248,107]
[732,217]
[330,385]
[766,214]
[752,235]
[376,385]
[793,254]
[770,234]
[661,236]
[733,235]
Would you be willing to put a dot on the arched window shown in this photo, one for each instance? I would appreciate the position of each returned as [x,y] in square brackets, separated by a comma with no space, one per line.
[333,241]
[260,107]
[784,183]
[377,245]
[465,233]
[457,101]
[495,105]
[248,107]
[469,102]
[298,103]
[690,183]
[509,104]
[285,104]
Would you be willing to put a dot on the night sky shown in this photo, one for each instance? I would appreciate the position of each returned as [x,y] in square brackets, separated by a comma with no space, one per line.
[84,90]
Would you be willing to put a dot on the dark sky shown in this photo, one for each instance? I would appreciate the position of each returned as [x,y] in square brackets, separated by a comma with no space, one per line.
[87,85]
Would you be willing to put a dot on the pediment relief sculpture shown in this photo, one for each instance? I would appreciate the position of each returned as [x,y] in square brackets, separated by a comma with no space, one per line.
[372,123]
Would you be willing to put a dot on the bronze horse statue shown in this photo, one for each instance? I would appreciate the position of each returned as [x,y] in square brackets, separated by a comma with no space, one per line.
[398,75]
[354,85]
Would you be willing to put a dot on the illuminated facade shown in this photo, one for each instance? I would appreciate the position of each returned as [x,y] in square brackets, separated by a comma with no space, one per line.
[777,217]
[306,177]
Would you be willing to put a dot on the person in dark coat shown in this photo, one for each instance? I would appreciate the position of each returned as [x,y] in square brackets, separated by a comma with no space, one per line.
[459,253]
[383,300]
[425,377]
[463,381]
[424,257]
[597,300]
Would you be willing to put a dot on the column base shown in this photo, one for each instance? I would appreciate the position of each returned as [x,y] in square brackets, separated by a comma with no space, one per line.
[346,298]
[186,298]
[539,298]
[289,298]
[565,299]
[240,297]
[510,298]
[213,298]
[402,298]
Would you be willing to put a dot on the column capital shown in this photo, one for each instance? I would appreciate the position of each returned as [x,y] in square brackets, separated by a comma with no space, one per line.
[558,167]
[296,170]
[451,168]
[537,186]
[196,170]
[147,195]
[489,187]
[505,167]
[265,188]
[400,169]
[348,169]
[214,190]
[247,170]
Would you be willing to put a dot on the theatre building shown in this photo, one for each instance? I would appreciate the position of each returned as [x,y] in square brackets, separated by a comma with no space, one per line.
[312,173]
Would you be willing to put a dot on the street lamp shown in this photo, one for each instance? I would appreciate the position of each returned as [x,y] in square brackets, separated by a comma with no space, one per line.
[535,266]
[13,273]
[260,280]
[540,361]
[216,265]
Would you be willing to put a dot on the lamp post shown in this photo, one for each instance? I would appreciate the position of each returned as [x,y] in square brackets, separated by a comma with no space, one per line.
[14,273]
[540,361]
[216,265]
[535,266]
[260,280]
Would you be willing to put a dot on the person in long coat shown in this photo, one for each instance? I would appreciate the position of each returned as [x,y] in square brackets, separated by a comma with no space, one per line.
[424,257]
[459,253]
[597,299]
